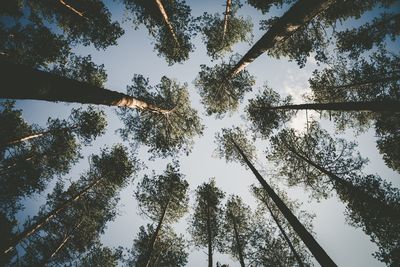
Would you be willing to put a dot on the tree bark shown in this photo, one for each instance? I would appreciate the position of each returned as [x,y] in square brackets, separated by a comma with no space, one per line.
[319,253]
[209,239]
[22,82]
[300,14]
[238,243]
[44,220]
[376,106]
[167,21]
[155,235]
[285,236]
[226,18]
[72,9]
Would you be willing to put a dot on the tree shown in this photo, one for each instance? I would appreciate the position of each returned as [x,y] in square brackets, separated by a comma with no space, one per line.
[237,228]
[324,164]
[298,252]
[110,170]
[101,256]
[229,146]
[33,156]
[299,14]
[219,92]
[168,132]
[207,219]
[86,22]
[373,80]
[169,22]
[221,33]
[163,199]
[169,250]
[264,6]
[264,119]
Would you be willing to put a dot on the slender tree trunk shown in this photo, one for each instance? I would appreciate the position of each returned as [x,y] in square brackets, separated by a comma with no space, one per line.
[79,13]
[385,105]
[285,236]
[226,18]
[3,170]
[155,235]
[22,82]
[300,14]
[44,220]
[209,239]
[167,21]
[319,253]
[238,243]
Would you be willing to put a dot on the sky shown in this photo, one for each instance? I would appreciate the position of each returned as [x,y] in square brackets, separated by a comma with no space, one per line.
[134,54]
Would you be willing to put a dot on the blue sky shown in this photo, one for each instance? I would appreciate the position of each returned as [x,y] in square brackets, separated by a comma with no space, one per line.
[134,54]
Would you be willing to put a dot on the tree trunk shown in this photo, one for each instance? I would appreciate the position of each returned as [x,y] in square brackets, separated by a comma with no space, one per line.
[72,9]
[226,18]
[319,253]
[238,243]
[22,82]
[167,21]
[385,105]
[209,238]
[285,236]
[42,221]
[155,235]
[300,14]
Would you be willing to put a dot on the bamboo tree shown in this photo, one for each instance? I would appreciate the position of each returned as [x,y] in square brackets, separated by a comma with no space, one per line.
[206,221]
[163,199]
[112,167]
[300,14]
[228,147]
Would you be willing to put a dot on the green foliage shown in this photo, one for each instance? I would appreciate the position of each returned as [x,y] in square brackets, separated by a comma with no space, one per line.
[169,250]
[212,28]
[264,120]
[82,69]
[147,13]
[237,227]
[265,5]
[207,219]
[220,93]
[94,27]
[32,45]
[101,256]
[167,192]
[227,149]
[168,133]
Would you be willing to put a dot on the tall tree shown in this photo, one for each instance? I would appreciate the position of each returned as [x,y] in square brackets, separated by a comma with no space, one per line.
[234,146]
[221,94]
[166,133]
[323,164]
[298,252]
[169,250]
[111,170]
[375,80]
[237,228]
[221,33]
[207,219]
[169,22]
[27,167]
[86,22]
[163,199]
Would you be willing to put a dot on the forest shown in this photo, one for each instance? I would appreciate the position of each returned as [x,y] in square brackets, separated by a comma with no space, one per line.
[168,133]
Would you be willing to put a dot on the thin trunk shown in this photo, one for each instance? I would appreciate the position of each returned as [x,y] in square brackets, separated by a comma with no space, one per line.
[285,236]
[300,14]
[72,9]
[44,220]
[226,18]
[155,235]
[209,239]
[3,170]
[238,243]
[385,105]
[319,253]
[22,82]
[167,21]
